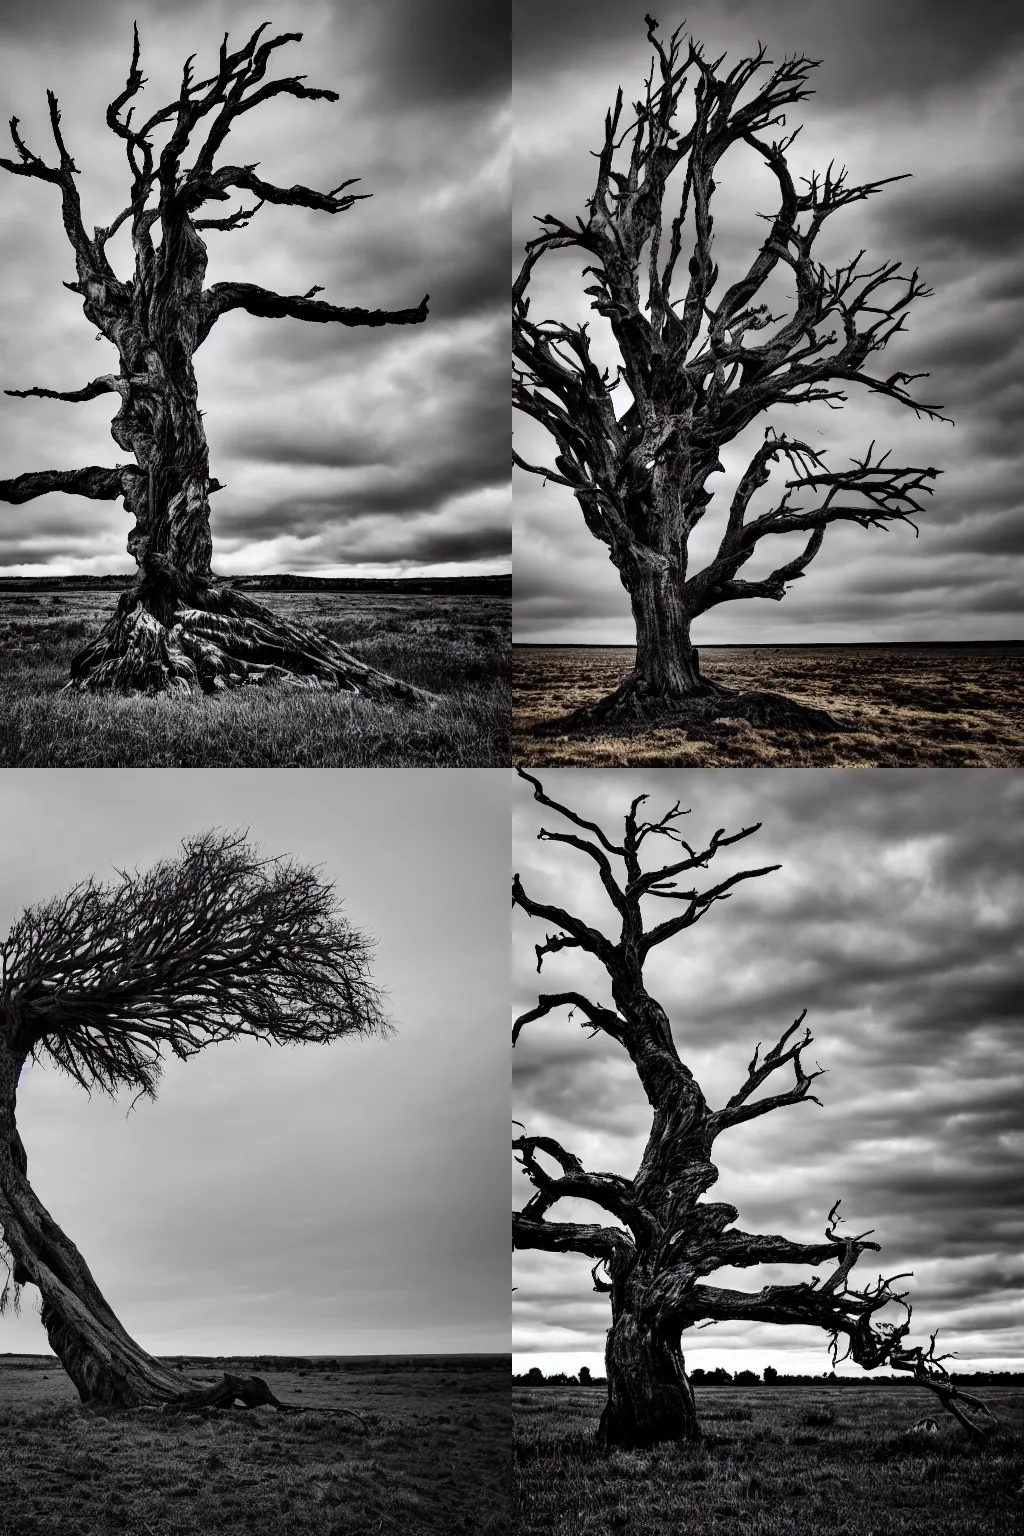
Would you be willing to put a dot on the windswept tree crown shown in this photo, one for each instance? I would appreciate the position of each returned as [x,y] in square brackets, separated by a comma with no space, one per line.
[102,982]
[216,944]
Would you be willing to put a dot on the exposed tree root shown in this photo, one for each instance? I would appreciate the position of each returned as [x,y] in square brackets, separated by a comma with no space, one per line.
[632,708]
[249,1392]
[177,636]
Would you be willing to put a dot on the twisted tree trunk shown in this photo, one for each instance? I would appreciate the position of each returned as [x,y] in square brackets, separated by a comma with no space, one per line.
[666,685]
[650,1398]
[177,627]
[105,1363]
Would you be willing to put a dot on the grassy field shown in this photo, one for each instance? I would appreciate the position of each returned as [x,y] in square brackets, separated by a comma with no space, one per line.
[434,1459]
[776,1461]
[899,708]
[457,646]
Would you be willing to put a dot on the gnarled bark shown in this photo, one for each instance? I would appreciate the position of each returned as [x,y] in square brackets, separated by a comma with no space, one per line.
[177,627]
[650,1398]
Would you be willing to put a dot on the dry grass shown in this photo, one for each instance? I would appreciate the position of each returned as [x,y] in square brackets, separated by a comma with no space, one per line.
[776,1461]
[435,1460]
[957,707]
[457,646]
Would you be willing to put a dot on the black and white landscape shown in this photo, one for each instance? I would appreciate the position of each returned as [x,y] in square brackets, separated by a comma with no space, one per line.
[326,1209]
[767,1101]
[921,89]
[767,384]
[180,170]
[894,920]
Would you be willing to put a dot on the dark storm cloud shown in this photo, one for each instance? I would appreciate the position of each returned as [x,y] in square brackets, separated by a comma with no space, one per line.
[360,490]
[70,19]
[979,217]
[926,89]
[447,51]
[441,547]
[423,120]
[896,920]
[869,50]
[358,535]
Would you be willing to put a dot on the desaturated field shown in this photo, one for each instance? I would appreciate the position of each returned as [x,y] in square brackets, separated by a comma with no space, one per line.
[776,1461]
[954,707]
[455,645]
[434,1458]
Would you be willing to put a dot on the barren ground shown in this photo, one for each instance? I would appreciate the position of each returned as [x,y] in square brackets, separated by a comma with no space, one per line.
[954,707]
[457,646]
[435,1459]
[776,1461]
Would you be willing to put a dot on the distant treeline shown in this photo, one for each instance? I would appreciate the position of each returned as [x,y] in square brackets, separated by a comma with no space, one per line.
[378,1364]
[720,1377]
[495,586]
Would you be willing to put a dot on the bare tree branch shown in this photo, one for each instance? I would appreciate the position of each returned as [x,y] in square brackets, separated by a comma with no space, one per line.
[698,364]
[96,483]
[217,944]
[222,297]
[109,383]
[740,1107]
[677,1236]
[599,1018]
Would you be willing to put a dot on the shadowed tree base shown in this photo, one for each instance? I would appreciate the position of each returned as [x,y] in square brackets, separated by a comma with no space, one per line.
[632,707]
[650,1399]
[172,634]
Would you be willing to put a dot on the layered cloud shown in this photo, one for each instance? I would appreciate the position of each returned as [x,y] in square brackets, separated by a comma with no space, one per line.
[382,450]
[896,920]
[930,90]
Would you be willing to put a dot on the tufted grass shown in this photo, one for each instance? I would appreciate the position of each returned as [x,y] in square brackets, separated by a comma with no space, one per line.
[775,1461]
[435,1459]
[456,646]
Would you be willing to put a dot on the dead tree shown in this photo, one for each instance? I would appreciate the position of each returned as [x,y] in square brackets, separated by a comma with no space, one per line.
[699,365]
[178,627]
[664,1239]
[101,983]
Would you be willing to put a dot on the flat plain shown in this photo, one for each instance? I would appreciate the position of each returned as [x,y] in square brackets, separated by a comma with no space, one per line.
[433,1459]
[456,645]
[775,1461]
[897,707]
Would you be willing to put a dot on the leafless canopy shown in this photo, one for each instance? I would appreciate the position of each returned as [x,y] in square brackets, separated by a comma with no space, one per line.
[215,944]
[177,628]
[701,361]
[665,1239]
[166,192]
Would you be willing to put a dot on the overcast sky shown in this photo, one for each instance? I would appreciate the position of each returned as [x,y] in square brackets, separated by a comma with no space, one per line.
[930,87]
[322,1199]
[369,451]
[897,921]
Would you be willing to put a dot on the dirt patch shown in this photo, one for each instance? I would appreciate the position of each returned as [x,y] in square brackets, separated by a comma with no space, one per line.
[949,707]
